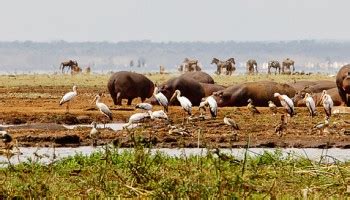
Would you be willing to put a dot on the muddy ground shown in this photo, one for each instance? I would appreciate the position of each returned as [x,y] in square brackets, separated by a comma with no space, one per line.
[37,109]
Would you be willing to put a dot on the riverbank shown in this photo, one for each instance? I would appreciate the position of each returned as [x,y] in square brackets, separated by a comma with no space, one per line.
[142,174]
[32,101]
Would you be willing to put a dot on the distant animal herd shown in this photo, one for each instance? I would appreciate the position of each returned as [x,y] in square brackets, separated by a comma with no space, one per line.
[227,67]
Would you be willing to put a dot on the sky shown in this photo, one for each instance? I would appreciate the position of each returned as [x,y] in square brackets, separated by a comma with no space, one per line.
[173,20]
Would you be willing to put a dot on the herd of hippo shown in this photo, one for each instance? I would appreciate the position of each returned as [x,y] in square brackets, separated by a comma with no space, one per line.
[196,85]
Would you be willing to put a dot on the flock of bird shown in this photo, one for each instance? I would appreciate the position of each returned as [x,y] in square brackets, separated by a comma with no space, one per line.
[186,104]
[211,103]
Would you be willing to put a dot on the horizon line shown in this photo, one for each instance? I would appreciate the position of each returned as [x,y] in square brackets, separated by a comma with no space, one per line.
[184,41]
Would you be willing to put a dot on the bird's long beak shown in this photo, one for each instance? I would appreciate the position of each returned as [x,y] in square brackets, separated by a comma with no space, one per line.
[173,97]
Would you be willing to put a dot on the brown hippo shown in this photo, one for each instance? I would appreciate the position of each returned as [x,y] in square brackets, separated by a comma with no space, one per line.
[129,85]
[260,92]
[209,89]
[313,86]
[337,101]
[320,86]
[300,85]
[188,88]
[199,76]
[343,83]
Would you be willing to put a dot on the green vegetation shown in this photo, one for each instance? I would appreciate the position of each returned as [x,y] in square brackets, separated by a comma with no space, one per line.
[139,173]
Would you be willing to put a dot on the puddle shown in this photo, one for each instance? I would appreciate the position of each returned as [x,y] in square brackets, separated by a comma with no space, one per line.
[46,154]
[53,126]
[113,126]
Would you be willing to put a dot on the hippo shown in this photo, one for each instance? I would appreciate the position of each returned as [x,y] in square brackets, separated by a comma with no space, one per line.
[129,85]
[199,76]
[298,99]
[313,86]
[188,88]
[343,83]
[209,89]
[260,92]
[300,85]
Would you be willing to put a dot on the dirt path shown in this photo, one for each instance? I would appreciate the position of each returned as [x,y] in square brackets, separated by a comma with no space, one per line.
[38,108]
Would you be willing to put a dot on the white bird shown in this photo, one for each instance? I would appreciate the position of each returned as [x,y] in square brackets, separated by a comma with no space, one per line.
[286,102]
[68,97]
[184,102]
[310,104]
[144,106]
[94,133]
[159,114]
[272,107]
[161,98]
[136,118]
[327,103]
[213,106]
[178,131]
[103,107]
[322,126]
[234,126]
[231,123]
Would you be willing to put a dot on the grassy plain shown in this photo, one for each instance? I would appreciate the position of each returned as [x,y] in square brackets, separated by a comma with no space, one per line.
[140,174]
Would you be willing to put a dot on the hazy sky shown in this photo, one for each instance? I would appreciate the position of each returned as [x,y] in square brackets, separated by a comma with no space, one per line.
[175,20]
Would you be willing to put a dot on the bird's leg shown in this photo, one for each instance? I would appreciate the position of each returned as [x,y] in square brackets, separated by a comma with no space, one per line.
[234,133]
[67,107]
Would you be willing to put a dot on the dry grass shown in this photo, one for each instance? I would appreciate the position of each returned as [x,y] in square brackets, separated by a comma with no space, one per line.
[100,80]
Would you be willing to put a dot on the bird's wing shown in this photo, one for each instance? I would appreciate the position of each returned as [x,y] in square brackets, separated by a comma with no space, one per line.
[105,110]
[330,101]
[284,103]
[288,101]
[162,100]
[185,103]
[312,104]
[212,102]
[67,97]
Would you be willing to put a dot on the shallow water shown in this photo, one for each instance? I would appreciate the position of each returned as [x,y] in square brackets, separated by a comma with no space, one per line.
[45,155]
[113,126]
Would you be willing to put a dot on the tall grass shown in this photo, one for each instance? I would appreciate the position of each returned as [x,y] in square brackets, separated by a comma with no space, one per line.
[141,173]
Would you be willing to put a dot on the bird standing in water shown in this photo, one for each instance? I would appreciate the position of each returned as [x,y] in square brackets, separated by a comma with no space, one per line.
[251,107]
[94,134]
[68,97]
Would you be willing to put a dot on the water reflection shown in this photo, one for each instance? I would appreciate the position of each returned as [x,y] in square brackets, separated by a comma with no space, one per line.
[45,155]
